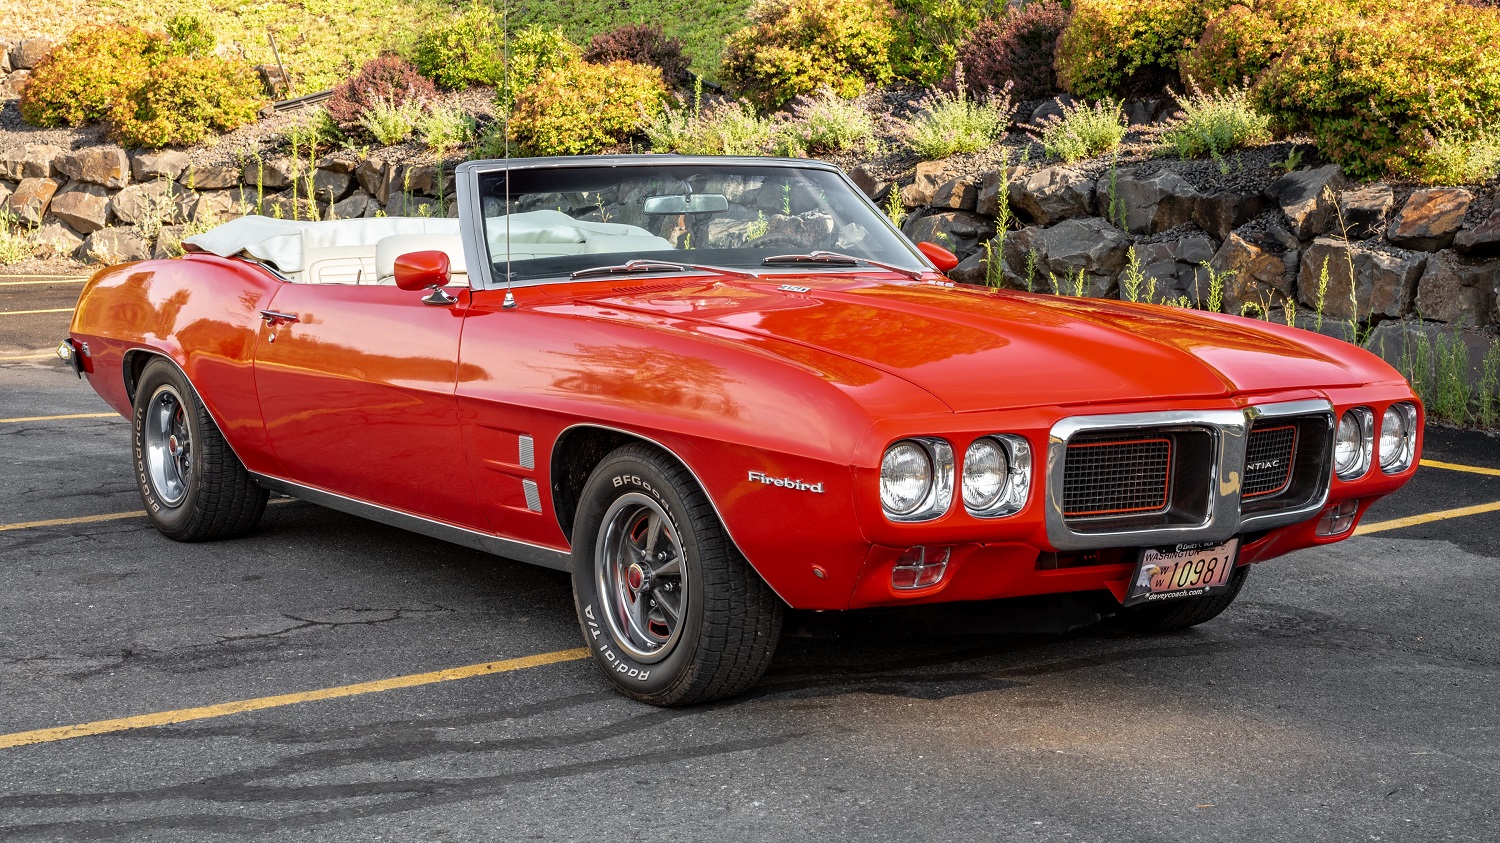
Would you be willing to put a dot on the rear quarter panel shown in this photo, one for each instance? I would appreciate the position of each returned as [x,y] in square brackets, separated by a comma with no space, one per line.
[200,311]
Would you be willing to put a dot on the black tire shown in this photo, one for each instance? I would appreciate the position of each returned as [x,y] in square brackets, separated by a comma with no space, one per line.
[195,490]
[729,620]
[1183,613]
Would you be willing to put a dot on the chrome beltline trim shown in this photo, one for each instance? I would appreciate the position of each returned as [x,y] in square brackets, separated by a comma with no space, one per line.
[1230,429]
[546,557]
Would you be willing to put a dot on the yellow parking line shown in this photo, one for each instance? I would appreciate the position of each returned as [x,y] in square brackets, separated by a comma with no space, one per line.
[1453,466]
[1426,518]
[182,715]
[51,279]
[40,355]
[95,519]
[30,312]
[59,418]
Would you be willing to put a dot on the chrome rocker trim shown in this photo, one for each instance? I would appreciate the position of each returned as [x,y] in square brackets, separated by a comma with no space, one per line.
[1230,429]
[546,557]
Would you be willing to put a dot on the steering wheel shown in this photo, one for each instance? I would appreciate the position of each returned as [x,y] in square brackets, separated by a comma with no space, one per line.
[776,241]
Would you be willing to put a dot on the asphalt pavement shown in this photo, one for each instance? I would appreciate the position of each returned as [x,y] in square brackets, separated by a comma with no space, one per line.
[1348,695]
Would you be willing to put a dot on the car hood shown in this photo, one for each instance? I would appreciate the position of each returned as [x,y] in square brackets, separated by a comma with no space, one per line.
[978,349]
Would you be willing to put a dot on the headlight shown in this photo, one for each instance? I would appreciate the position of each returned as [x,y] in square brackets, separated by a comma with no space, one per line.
[985,471]
[1398,429]
[905,478]
[916,479]
[1355,440]
[997,475]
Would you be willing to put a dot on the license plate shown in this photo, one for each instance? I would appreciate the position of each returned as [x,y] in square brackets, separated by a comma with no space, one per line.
[1181,570]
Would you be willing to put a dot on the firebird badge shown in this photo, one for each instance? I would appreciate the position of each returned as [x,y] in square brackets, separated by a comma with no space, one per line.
[786,482]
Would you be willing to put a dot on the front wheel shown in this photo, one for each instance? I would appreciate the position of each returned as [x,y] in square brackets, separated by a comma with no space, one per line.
[671,611]
[193,486]
[1185,612]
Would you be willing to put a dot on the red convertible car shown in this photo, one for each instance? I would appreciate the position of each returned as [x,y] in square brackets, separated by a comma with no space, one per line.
[716,388]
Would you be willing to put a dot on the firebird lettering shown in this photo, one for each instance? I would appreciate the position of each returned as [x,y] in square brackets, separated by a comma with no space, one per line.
[786,482]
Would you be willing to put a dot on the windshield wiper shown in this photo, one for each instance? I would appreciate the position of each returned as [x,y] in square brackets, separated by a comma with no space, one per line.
[840,259]
[648,266]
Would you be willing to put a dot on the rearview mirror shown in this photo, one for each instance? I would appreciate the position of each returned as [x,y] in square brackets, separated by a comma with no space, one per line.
[941,258]
[425,270]
[691,203]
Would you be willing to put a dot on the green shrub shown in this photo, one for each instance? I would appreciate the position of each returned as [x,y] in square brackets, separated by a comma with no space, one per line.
[535,51]
[14,247]
[642,44]
[1213,124]
[950,123]
[828,123]
[798,46]
[445,127]
[387,79]
[316,132]
[190,35]
[928,34]
[1239,42]
[186,100]
[463,51]
[585,108]
[730,128]
[1120,47]
[1083,131]
[1461,158]
[1378,89]
[1020,48]
[392,123]
[84,77]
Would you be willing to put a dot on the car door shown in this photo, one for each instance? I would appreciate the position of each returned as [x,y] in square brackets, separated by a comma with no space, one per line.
[356,386]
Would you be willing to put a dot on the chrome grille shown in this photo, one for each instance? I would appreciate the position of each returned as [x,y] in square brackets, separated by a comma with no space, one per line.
[1269,460]
[1115,475]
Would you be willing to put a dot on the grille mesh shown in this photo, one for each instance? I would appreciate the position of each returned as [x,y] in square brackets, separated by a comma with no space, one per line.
[1268,461]
[1116,475]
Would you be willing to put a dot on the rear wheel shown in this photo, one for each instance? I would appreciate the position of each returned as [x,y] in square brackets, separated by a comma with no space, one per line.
[671,611]
[1185,612]
[193,486]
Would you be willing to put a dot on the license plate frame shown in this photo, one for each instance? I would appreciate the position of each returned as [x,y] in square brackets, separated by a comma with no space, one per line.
[1163,574]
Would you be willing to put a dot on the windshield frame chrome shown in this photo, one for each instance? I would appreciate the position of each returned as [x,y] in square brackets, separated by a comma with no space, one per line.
[471,224]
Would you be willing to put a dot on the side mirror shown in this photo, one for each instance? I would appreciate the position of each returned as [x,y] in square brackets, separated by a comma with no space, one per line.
[941,258]
[417,271]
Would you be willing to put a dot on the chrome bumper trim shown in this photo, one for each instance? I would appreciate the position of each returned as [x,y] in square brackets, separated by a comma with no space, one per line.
[1230,429]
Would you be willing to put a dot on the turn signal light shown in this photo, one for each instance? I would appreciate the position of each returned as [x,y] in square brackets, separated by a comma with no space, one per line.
[920,567]
[1337,519]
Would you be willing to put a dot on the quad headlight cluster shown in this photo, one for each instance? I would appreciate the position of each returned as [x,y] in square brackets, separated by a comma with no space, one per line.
[1354,446]
[917,477]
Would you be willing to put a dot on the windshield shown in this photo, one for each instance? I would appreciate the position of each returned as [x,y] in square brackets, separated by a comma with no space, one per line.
[563,220]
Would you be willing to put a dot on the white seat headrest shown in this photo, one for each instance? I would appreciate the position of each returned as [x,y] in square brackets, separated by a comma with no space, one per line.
[387,249]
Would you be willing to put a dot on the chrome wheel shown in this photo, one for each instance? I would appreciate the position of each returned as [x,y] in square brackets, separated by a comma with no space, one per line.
[642,577]
[168,446]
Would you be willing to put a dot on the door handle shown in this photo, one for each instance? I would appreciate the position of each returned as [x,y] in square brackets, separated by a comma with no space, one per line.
[276,319]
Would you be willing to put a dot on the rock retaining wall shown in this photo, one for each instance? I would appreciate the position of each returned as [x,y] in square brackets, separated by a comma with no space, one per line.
[1403,265]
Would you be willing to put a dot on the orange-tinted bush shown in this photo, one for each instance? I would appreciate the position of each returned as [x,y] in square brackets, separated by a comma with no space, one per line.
[798,46]
[188,99]
[584,108]
[1378,86]
[83,78]
[1122,47]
